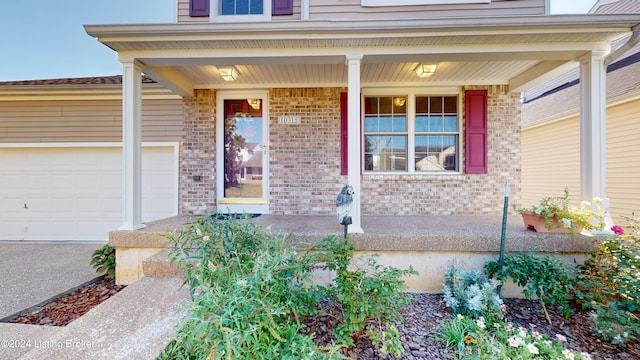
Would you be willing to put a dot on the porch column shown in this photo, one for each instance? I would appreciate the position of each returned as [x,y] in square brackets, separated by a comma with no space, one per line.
[132,144]
[353,129]
[593,126]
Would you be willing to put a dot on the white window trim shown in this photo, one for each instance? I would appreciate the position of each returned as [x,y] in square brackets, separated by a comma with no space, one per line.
[411,134]
[373,3]
[214,5]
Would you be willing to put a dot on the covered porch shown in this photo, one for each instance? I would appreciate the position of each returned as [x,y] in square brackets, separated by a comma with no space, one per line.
[428,243]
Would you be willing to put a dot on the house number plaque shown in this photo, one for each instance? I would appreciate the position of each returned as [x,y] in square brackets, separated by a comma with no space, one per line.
[289,120]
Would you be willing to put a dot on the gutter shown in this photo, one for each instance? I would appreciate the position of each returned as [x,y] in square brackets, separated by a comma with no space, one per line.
[633,41]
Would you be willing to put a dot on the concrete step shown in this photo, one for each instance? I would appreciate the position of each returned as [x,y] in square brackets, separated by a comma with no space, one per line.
[159,265]
[136,323]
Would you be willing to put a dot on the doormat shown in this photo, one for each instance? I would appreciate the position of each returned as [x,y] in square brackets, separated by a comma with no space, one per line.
[234,216]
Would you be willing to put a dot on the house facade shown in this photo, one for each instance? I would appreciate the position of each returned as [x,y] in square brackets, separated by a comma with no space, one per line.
[551,131]
[414,103]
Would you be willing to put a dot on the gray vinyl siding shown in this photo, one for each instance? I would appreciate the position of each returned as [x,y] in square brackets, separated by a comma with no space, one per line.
[351,9]
[85,121]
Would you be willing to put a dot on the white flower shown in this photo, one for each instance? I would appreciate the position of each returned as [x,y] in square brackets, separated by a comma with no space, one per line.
[537,335]
[567,354]
[480,323]
[561,338]
[566,222]
[206,238]
[585,356]
[241,283]
[198,232]
[515,341]
[532,349]
[460,317]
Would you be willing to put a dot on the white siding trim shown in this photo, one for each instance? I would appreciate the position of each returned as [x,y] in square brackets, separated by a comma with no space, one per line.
[420,2]
[174,144]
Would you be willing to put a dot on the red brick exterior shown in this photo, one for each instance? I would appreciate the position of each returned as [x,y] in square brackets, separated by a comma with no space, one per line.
[305,161]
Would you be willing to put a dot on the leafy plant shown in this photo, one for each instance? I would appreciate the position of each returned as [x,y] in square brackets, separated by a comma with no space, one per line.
[547,277]
[103,260]
[609,286]
[471,293]
[471,338]
[369,298]
[568,216]
[248,295]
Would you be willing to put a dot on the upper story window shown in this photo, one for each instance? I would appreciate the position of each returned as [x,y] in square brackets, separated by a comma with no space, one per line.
[241,7]
[411,134]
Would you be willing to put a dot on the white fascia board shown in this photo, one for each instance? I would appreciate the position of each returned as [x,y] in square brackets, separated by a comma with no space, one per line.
[375,3]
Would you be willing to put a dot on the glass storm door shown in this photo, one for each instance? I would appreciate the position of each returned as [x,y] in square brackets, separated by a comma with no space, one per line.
[242,154]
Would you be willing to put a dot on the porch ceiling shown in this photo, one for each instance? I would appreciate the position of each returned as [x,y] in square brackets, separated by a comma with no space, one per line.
[518,52]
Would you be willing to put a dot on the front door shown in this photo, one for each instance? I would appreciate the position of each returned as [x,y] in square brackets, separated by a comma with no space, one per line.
[242,153]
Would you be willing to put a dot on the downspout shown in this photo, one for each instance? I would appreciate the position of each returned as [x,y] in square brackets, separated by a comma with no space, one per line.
[633,41]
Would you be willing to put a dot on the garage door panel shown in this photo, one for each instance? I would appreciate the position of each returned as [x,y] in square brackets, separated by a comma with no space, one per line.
[76,193]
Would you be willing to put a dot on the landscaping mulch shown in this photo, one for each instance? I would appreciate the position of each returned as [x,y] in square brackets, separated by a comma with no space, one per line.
[64,309]
[426,311]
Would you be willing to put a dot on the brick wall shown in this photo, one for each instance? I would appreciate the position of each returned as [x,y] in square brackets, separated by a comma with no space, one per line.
[197,154]
[457,194]
[304,161]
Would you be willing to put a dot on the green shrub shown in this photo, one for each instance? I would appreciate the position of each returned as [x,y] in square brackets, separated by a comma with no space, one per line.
[251,294]
[371,293]
[609,286]
[247,292]
[471,293]
[547,277]
[103,261]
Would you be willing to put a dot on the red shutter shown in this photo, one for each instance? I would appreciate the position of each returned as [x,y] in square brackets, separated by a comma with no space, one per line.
[476,131]
[344,135]
[282,7]
[199,7]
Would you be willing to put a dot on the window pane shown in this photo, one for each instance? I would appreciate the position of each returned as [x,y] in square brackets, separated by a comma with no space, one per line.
[436,104]
[435,123]
[386,124]
[422,106]
[436,152]
[450,104]
[386,153]
[386,105]
[422,123]
[400,105]
[256,7]
[242,7]
[400,124]
[451,123]
[371,105]
[227,7]
[371,124]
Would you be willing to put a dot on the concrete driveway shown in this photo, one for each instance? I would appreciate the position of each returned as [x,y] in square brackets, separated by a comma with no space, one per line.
[34,272]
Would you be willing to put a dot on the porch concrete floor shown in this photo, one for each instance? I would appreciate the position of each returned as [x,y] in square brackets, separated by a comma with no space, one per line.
[394,233]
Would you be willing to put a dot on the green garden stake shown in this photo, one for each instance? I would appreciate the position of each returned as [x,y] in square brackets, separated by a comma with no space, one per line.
[505,211]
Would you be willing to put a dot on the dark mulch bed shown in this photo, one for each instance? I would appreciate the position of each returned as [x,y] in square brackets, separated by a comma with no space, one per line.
[63,309]
[425,312]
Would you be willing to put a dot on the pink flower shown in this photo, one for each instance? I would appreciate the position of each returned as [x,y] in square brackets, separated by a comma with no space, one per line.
[617,230]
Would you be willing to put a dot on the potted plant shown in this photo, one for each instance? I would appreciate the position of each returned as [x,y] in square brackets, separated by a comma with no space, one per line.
[554,214]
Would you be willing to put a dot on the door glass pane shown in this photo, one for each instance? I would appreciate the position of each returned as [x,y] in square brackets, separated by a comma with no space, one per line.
[243,149]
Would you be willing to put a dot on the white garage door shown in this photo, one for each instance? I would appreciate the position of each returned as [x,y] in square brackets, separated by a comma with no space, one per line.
[75,193]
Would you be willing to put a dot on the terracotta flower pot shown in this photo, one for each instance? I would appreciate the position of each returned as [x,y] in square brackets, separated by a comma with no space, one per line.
[536,223]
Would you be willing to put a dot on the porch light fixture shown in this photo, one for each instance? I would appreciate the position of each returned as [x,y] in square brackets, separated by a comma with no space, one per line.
[254,103]
[425,70]
[228,73]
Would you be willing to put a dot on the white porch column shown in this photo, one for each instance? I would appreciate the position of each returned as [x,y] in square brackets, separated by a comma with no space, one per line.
[132,143]
[593,126]
[354,147]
